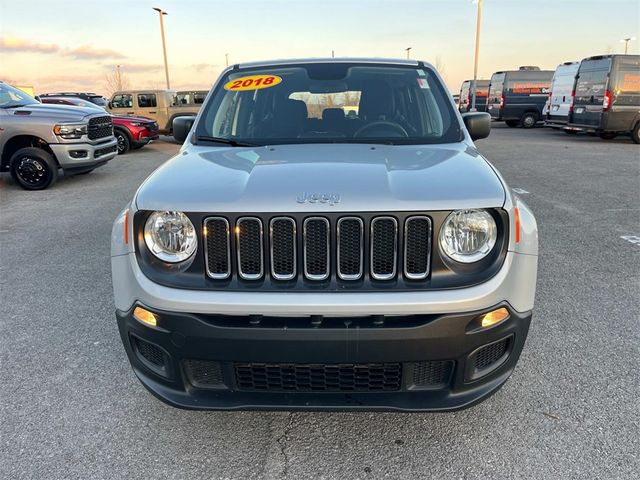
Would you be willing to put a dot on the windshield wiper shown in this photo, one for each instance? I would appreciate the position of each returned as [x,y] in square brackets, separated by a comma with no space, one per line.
[225,141]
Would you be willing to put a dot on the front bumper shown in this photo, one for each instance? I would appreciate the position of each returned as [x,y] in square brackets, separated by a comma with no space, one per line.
[75,155]
[446,347]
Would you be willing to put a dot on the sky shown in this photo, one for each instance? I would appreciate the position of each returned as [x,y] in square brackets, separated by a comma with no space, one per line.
[74,45]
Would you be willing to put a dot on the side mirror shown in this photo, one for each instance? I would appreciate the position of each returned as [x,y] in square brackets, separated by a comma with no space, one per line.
[182,127]
[37,97]
[478,124]
[110,105]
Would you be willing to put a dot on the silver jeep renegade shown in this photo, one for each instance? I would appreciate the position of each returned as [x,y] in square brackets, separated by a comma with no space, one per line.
[327,238]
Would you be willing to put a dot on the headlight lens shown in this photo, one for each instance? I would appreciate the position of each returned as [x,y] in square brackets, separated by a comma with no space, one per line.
[468,236]
[69,131]
[170,236]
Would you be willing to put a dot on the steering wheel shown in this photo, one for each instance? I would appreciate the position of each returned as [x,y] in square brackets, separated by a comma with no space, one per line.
[381,123]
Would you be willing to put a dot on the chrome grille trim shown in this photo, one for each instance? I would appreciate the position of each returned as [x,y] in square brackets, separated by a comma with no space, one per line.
[305,224]
[392,274]
[217,275]
[239,223]
[421,275]
[345,276]
[279,276]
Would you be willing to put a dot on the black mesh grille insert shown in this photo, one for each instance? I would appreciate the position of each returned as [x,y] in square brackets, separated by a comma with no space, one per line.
[99,127]
[417,247]
[350,248]
[217,251]
[149,352]
[319,377]
[316,248]
[203,373]
[250,256]
[432,374]
[384,243]
[491,354]
[283,248]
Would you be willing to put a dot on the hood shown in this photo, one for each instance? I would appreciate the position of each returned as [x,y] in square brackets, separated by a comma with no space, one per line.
[294,178]
[60,113]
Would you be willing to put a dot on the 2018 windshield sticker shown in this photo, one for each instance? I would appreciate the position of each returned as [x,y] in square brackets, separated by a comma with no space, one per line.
[252,82]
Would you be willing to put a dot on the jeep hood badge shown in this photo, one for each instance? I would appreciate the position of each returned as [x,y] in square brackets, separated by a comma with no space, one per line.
[330,198]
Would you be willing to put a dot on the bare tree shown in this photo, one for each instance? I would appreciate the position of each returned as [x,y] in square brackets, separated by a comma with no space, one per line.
[115,81]
[441,67]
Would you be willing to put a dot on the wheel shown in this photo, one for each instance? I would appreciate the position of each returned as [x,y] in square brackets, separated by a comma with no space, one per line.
[33,168]
[529,119]
[607,135]
[635,133]
[124,142]
[512,123]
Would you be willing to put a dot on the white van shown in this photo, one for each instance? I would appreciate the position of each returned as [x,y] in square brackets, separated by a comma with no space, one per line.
[556,113]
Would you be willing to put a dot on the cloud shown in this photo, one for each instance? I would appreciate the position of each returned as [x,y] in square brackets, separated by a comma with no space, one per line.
[141,67]
[19,45]
[86,52]
[202,67]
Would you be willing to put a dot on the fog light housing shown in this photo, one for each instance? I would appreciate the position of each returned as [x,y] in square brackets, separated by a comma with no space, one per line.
[78,154]
[494,317]
[145,316]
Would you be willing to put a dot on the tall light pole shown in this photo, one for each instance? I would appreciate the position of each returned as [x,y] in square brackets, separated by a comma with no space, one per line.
[408,49]
[162,13]
[626,43]
[119,77]
[226,59]
[475,64]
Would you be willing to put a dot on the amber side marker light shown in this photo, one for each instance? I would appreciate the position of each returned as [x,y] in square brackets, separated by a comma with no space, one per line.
[145,316]
[494,317]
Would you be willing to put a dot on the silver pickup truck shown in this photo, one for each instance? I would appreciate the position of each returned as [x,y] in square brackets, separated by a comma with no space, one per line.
[329,237]
[37,140]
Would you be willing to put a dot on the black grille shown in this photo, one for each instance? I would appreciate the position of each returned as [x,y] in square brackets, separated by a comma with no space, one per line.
[431,374]
[318,377]
[250,244]
[103,151]
[350,232]
[384,247]
[316,248]
[490,354]
[203,373]
[283,248]
[99,127]
[151,355]
[217,251]
[417,247]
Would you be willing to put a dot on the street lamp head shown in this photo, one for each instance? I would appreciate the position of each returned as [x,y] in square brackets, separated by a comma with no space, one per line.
[160,11]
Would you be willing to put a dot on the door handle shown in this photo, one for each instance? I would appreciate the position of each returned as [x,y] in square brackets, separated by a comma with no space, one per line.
[130,113]
[153,112]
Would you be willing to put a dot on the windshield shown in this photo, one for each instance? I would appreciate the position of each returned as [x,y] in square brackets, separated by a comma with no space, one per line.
[11,97]
[330,103]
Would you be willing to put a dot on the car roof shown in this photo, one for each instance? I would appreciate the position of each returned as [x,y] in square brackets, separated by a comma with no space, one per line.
[298,61]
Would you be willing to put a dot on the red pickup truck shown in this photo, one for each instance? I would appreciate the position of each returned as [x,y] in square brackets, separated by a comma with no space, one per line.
[131,131]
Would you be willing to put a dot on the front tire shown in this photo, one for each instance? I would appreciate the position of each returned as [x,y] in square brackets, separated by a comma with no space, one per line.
[512,123]
[124,142]
[33,168]
[635,133]
[529,119]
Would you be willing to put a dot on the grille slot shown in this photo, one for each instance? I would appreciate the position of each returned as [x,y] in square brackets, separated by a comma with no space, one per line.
[218,250]
[417,247]
[316,248]
[278,377]
[431,374]
[492,353]
[350,248]
[250,248]
[204,373]
[282,233]
[99,127]
[384,248]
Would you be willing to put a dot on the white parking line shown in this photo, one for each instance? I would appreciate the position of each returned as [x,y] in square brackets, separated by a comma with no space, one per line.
[635,239]
[520,191]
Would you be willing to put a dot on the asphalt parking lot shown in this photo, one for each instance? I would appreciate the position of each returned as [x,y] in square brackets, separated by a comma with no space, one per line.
[72,408]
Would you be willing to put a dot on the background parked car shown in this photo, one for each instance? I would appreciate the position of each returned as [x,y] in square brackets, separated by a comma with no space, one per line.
[518,96]
[155,104]
[482,90]
[560,96]
[607,96]
[90,97]
[130,131]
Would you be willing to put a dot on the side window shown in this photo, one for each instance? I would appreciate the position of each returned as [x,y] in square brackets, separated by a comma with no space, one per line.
[198,98]
[181,99]
[122,101]
[147,100]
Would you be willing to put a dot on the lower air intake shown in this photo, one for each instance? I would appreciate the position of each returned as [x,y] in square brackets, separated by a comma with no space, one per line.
[490,354]
[432,374]
[204,373]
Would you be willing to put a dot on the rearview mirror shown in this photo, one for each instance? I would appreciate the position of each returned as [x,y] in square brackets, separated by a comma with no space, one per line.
[478,124]
[182,127]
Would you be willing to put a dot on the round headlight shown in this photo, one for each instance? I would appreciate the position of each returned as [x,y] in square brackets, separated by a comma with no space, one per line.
[468,235]
[170,236]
